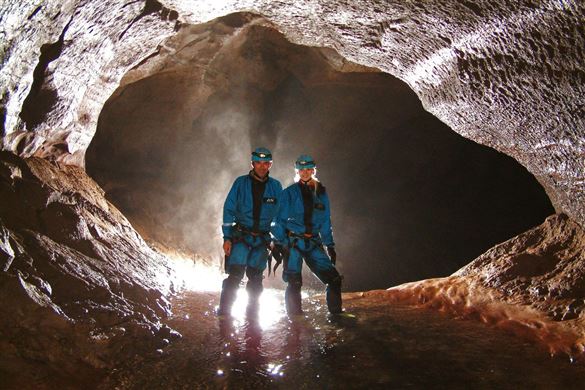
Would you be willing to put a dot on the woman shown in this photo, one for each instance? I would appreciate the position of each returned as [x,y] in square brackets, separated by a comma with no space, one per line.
[303,228]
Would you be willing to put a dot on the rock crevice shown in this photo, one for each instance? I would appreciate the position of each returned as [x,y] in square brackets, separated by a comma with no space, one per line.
[39,102]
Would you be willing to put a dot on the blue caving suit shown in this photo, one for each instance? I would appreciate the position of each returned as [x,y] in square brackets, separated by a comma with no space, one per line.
[303,226]
[249,210]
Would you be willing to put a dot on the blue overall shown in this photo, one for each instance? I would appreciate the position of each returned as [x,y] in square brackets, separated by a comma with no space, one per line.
[249,249]
[249,237]
[305,239]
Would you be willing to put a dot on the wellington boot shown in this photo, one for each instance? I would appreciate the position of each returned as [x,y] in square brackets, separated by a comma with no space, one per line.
[293,300]
[227,298]
[334,299]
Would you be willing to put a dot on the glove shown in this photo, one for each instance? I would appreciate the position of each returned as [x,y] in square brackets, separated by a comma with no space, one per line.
[332,254]
[278,253]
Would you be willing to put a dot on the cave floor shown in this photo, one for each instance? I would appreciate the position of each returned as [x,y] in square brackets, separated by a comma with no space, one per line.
[375,346]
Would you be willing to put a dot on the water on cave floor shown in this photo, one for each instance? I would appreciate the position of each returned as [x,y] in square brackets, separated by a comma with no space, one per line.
[374,346]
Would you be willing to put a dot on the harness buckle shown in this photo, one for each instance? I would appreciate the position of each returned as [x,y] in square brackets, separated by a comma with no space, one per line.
[305,236]
[246,230]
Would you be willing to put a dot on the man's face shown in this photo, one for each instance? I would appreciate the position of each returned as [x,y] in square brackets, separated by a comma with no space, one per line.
[261,168]
[306,174]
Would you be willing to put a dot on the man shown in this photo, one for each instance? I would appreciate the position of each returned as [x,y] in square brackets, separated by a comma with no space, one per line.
[248,212]
[303,227]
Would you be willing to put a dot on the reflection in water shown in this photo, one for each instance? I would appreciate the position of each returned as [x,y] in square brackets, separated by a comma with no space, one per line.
[383,346]
[241,340]
[269,312]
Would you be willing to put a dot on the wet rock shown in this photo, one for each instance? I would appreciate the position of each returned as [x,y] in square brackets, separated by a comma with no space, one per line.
[547,261]
[531,284]
[72,298]
[507,75]
[6,251]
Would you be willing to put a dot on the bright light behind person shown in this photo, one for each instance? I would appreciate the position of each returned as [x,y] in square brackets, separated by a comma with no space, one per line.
[193,275]
[248,213]
[271,308]
[308,235]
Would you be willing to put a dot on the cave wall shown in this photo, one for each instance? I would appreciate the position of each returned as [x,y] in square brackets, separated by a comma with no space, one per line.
[542,267]
[176,139]
[61,61]
[507,75]
[81,290]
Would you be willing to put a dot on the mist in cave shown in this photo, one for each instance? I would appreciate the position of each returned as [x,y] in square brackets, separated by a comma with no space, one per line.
[411,199]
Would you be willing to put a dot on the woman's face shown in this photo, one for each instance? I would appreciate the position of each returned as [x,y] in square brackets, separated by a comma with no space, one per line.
[306,174]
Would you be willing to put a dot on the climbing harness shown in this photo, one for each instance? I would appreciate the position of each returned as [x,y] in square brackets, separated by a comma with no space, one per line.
[240,233]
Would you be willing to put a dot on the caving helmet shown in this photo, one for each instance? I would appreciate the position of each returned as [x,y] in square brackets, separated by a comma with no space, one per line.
[261,154]
[305,162]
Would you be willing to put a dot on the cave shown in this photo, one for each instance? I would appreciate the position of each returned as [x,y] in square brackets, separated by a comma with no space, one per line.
[449,134]
[399,178]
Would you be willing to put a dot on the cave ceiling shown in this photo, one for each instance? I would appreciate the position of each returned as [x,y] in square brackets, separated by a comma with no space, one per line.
[507,75]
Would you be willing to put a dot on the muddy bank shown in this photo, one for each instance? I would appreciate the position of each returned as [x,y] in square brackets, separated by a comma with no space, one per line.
[531,284]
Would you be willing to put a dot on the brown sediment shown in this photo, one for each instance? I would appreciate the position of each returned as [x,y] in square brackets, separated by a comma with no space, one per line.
[465,298]
[531,285]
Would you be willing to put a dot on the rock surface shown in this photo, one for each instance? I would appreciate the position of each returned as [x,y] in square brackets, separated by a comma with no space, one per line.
[80,288]
[532,284]
[507,75]
[543,268]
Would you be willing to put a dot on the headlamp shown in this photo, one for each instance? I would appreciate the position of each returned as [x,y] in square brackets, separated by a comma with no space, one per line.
[263,156]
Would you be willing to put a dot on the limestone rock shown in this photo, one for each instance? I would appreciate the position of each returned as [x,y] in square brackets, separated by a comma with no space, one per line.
[79,286]
[543,267]
[532,285]
[508,75]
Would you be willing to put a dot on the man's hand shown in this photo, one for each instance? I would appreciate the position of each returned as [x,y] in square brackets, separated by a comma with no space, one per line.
[332,254]
[227,247]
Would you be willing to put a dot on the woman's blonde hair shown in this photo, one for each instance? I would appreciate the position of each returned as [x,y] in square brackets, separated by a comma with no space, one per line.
[313,176]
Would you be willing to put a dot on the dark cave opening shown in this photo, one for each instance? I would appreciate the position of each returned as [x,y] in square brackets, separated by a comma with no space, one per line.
[411,199]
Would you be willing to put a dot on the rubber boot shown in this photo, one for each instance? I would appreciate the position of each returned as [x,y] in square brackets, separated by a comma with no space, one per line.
[292,295]
[229,290]
[334,296]
[227,297]
[254,289]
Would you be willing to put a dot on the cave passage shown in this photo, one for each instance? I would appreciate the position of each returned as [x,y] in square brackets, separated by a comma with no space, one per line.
[411,199]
